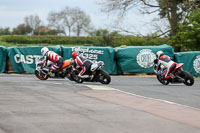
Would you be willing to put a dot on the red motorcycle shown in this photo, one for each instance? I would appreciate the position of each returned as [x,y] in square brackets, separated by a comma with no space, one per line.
[178,75]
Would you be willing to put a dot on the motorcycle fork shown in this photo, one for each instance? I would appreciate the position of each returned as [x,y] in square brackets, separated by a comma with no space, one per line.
[43,72]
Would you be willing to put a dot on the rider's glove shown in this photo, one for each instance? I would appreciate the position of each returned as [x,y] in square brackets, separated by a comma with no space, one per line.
[158,73]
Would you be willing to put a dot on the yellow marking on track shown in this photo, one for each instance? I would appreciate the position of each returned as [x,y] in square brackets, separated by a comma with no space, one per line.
[58,83]
[97,87]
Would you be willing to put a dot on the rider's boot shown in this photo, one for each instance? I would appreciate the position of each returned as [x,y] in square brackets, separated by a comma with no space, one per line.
[48,70]
[83,76]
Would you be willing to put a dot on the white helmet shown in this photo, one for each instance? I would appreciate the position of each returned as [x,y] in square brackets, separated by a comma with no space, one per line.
[44,50]
[159,53]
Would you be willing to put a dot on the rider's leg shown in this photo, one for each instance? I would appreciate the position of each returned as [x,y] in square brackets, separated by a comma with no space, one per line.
[82,71]
[170,69]
[81,74]
[56,66]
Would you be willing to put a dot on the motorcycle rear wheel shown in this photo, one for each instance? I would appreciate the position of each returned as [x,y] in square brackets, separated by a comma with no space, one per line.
[70,77]
[79,80]
[189,80]
[41,76]
[76,78]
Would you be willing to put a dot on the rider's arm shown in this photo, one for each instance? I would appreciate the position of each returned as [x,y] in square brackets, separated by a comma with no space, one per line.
[74,63]
[45,59]
[158,65]
[155,61]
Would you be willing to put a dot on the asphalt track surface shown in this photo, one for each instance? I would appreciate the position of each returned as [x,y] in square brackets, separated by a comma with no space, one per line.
[129,104]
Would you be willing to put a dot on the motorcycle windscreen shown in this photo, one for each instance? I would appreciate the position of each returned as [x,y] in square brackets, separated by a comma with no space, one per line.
[94,67]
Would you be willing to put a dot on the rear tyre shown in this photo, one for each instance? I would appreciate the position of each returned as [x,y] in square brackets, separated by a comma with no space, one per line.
[41,76]
[76,78]
[162,81]
[69,73]
[188,78]
[70,77]
[104,77]
[79,80]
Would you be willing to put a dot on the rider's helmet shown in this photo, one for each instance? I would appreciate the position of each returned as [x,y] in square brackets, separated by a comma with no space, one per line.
[159,53]
[74,54]
[44,50]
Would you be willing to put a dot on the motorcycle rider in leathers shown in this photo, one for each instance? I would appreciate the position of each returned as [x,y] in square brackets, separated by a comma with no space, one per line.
[166,61]
[81,61]
[53,57]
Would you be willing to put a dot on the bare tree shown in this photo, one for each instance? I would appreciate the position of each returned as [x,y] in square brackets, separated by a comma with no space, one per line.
[174,11]
[55,22]
[33,21]
[82,22]
[69,20]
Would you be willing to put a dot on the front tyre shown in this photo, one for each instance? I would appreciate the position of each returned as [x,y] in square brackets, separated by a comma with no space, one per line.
[188,78]
[41,76]
[104,77]
[162,81]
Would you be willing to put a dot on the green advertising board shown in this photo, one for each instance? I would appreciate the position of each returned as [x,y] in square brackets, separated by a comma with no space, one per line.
[139,59]
[3,57]
[105,54]
[191,61]
[23,59]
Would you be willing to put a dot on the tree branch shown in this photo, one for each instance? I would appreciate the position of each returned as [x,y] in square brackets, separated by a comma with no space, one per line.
[163,33]
[149,12]
[127,31]
[147,4]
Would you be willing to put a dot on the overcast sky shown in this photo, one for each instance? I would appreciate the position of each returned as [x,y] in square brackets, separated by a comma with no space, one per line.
[13,12]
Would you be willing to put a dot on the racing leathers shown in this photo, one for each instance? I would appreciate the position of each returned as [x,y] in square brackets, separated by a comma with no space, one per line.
[167,63]
[55,58]
[84,63]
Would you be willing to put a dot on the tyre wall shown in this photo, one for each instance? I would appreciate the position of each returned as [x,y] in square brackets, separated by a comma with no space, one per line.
[23,59]
[139,59]
[191,61]
[119,60]
[3,59]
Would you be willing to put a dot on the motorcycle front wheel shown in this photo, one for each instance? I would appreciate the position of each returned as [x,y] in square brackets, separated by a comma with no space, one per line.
[40,75]
[104,77]
[162,81]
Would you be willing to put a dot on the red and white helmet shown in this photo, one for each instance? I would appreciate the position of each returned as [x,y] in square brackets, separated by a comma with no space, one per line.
[74,54]
[159,53]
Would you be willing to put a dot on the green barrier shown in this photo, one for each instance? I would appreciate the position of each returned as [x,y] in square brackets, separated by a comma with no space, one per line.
[23,59]
[191,61]
[105,54]
[3,58]
[139,59]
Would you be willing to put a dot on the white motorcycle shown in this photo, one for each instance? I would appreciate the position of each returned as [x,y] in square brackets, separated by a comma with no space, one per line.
[95,74]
